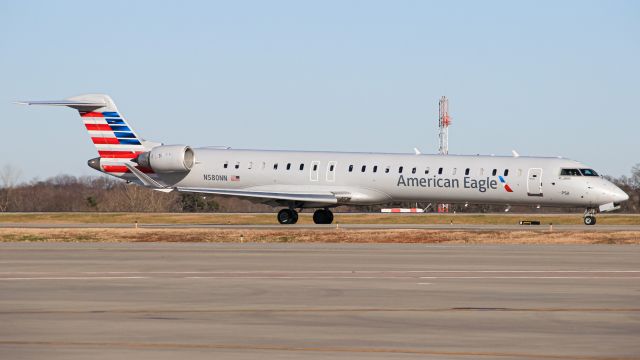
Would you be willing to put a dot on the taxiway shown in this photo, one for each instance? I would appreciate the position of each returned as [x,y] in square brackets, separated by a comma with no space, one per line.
[286,301]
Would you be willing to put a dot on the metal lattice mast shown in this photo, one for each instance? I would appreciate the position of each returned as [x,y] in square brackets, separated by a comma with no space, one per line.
[443,123]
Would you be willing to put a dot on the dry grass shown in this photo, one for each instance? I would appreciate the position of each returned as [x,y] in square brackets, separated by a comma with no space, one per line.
[305,218]
[315,235]
[322,236]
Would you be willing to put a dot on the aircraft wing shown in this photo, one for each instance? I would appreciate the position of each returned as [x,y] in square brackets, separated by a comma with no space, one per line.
[146,180]
[308,197]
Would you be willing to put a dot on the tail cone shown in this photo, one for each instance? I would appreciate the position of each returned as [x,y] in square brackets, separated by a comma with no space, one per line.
[94,163]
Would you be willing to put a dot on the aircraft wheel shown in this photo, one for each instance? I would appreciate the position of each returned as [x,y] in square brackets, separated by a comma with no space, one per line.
[287,216]
[329,216]
[323,216]
[317,216]
[589,220]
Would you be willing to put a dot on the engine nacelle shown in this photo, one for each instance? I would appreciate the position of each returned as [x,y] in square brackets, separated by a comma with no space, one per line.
[167,159]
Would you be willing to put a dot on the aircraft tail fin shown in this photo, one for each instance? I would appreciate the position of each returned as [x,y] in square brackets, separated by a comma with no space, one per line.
[113,137]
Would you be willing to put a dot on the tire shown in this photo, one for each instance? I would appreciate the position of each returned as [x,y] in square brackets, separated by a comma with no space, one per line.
[329,216]
[287,216]
[322,216]
[317,217]
[589,220]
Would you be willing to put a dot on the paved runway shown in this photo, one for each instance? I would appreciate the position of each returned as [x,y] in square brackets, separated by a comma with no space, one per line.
[439,227]
[313,301]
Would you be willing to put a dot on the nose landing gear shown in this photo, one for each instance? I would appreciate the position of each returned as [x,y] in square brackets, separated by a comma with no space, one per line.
[590,216]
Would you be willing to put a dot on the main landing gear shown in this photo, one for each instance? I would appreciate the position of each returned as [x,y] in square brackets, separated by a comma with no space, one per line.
[290,216]
[590,216]
[323,216]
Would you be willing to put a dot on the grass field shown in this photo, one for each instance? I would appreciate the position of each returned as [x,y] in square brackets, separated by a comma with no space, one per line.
[540,235]
[319,236]
[305,218]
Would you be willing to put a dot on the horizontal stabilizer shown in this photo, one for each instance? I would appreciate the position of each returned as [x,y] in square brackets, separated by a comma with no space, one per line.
[70,103]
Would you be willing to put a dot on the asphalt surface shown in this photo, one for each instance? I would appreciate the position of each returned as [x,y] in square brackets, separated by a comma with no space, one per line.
[316,301]
[439,227]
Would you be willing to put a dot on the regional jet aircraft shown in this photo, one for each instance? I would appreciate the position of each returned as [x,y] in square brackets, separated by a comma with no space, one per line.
[324,180]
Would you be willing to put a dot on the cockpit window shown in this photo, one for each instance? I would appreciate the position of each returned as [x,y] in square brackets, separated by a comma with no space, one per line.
[569,172]
[588,172]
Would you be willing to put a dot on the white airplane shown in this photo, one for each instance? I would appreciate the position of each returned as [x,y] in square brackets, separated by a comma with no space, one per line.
[323,180]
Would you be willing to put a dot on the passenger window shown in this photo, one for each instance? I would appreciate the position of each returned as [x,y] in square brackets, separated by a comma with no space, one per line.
[288,166]
[588,172]
[466,171]
[250,165]
[375,168]
[413,171]
[455,170]
[506,172]
[494,172]
[275,166]
[315,167]
[519,172]
[386,170]
[350,168]
[481,171]
[440,171]
[226,164]
[426,171]
[237,165]
[264,165]
[331,167]
[400,170]
[364,167]
[301,166]
[570,172]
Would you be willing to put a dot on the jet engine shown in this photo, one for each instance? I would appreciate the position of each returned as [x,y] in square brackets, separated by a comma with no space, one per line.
[167,159]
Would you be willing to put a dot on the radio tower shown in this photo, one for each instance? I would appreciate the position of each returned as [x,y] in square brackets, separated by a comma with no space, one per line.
[443,123]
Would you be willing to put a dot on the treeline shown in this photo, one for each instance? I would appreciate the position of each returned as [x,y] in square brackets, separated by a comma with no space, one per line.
[630,185]
[70,193]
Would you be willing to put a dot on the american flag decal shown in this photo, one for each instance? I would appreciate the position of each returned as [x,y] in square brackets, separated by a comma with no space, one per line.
[235,178]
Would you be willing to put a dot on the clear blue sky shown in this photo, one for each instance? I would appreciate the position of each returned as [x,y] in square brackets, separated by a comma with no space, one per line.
[544,77]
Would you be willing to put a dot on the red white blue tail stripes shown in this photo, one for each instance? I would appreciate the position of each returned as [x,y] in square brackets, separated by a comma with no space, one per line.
[115,141]
[108,128]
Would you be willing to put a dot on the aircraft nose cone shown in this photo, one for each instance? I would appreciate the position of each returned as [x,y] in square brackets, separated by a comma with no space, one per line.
[620,196]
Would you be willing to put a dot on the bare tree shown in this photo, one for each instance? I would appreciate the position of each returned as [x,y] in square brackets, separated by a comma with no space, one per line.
[130,197]
[634,181]
[9,176]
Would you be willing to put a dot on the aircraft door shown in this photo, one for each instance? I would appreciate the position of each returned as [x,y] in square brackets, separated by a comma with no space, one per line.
[534,182]
[314,170]
[331,171]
